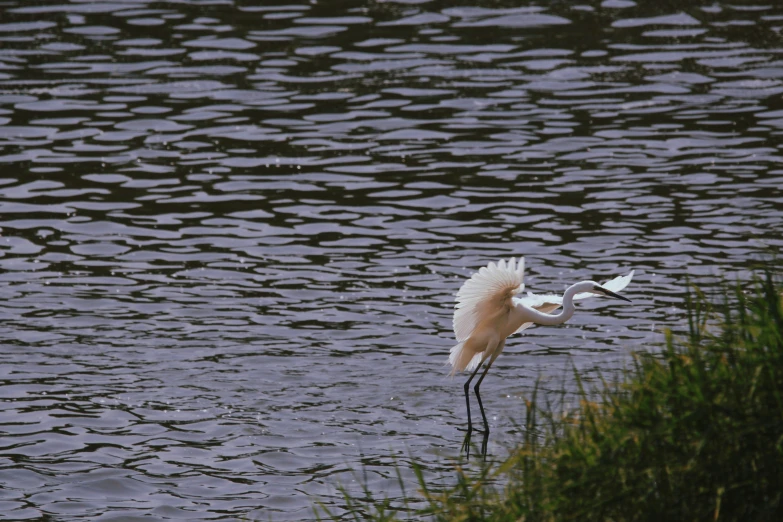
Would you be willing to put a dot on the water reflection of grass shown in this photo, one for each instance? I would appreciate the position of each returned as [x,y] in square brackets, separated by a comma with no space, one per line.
[693,433]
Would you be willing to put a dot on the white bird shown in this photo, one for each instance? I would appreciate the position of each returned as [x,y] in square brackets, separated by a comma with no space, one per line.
[488,311]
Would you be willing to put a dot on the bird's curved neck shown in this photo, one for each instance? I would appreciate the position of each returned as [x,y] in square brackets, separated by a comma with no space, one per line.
[565,313]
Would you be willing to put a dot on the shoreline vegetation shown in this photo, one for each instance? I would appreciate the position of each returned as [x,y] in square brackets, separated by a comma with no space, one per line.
[693,431]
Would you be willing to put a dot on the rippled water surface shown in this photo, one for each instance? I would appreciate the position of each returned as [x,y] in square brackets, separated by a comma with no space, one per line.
[231,232]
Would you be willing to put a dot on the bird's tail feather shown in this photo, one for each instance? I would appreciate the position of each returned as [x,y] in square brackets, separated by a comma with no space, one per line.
[462,359]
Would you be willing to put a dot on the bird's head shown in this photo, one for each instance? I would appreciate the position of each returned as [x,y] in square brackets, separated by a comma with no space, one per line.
[595,288]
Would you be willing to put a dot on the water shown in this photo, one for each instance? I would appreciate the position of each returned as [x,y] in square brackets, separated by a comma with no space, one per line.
[231,233]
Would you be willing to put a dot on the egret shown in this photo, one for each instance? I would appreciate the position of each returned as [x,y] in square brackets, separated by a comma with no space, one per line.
[488,311]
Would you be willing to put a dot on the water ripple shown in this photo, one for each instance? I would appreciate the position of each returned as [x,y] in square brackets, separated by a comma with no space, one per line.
[230,236]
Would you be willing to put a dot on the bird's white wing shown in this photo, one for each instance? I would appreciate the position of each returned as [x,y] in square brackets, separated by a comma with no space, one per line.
[615,285]
[548,303]
[486,293]
[618,283]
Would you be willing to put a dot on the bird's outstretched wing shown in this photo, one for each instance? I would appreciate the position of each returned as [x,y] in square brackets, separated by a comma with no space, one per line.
[548,303]
[615,285]
[486,293]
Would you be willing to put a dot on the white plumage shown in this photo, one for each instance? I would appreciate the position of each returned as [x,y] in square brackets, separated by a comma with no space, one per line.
[487,304]
[486,291]
[485,295]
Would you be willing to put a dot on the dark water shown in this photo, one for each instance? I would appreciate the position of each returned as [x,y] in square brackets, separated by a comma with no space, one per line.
[232,231]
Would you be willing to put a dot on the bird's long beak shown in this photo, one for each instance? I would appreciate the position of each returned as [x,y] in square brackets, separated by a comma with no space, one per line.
[609,293]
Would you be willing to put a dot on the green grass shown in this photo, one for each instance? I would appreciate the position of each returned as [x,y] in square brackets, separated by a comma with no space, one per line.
[690,432]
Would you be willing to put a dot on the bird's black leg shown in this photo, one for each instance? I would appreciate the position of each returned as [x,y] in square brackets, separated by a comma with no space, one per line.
[481,406]
[466,442]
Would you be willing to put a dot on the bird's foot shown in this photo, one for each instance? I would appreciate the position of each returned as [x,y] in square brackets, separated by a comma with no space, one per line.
[484,444]
[466,441]
[466,444]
